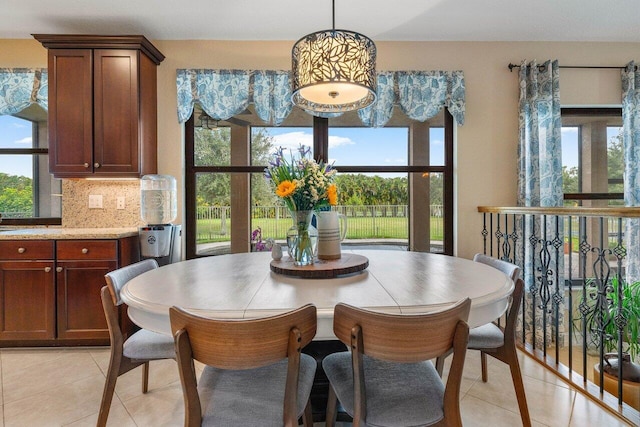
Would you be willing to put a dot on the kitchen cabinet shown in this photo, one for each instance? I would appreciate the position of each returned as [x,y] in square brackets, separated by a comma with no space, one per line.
[80,269]
[102,105]
[27,290]
[50,289]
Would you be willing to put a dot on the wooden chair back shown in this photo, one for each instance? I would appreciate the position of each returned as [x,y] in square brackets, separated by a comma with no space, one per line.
[243,344]
[405,339]
[401,338]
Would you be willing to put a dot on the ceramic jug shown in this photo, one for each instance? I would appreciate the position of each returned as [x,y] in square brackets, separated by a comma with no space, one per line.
[332,229]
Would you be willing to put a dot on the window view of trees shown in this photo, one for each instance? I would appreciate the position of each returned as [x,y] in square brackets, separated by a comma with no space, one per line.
[29,194]
[16,196]
[362,196]
[387,178]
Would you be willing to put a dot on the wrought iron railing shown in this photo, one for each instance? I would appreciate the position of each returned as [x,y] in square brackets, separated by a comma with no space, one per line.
[577,304]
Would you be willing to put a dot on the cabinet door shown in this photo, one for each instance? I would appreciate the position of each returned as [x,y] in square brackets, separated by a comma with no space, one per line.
[80,312]
[27,300]
[116,112]
[70,112]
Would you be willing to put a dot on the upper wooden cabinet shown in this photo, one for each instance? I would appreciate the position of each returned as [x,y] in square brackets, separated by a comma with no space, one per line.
[102,105]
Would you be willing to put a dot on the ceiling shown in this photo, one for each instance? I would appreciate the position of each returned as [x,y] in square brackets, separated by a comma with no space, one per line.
[381,20]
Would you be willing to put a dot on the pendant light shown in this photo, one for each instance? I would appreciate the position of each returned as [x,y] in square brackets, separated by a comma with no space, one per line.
[334,71]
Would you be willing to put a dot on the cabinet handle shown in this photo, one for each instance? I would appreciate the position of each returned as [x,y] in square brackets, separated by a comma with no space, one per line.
[47,269]
[85,250]
[86,165]
[21,250]
[96,165]
[58,269]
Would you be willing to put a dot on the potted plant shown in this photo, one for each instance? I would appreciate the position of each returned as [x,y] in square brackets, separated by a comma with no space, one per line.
[630,310]
[612,306]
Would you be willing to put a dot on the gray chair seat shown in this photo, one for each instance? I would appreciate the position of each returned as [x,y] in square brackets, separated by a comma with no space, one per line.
[251,397]
[485,336]
[149,345]
[398,394]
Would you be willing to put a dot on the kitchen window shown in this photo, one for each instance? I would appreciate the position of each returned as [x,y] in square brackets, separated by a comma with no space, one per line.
[29,194]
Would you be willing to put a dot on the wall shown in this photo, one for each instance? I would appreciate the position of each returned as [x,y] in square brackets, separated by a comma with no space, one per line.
[486,146]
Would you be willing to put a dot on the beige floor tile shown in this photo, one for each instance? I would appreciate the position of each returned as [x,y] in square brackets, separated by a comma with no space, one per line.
[479,413]
[58,405]
[548,403]
[118,417]
[161,374]
[64,368]
[160,407]
[531,368]
[101,357]
[587,413]
[472,370]
[18,358]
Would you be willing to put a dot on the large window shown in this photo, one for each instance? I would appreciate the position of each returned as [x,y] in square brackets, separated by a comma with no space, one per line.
[395,183]
[28,192]
[592,156]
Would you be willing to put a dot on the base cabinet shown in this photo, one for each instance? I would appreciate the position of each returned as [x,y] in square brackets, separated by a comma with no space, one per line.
[80,313]
[27,300]
[57,301]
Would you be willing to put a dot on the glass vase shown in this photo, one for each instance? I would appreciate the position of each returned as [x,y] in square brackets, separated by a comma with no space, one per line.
[302,238]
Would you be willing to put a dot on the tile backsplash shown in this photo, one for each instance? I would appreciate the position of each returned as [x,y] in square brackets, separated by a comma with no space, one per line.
[75,203]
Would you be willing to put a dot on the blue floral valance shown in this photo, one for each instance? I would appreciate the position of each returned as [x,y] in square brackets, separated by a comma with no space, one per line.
[225,93]
[21,87]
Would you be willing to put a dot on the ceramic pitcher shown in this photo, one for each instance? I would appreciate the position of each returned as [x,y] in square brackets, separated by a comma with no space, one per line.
[332,229]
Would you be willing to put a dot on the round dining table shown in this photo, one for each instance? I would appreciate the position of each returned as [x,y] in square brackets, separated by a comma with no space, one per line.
[242,286]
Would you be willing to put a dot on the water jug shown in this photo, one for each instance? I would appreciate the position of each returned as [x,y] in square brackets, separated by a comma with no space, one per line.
[332,229]
[158,199]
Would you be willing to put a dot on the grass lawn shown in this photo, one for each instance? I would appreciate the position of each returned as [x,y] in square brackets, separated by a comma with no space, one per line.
[212,230]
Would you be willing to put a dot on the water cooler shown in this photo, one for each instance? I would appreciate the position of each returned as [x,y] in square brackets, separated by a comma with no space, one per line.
[159,239]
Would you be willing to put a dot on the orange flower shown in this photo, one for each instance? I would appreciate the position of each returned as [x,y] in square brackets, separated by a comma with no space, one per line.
[285,188]
[332,195]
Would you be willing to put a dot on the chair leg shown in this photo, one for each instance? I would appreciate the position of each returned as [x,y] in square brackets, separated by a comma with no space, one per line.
[440,365]
[483,363]
[518,385]
[307,416]
[109,389]
[332,408]
[145,377]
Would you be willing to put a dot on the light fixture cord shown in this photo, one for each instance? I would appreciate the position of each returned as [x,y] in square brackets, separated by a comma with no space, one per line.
[333,13]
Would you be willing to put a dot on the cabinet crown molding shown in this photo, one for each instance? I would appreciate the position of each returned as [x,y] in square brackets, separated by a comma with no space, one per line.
[85,41]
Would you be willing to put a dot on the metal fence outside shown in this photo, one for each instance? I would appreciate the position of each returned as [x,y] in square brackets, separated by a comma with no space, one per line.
[364,222]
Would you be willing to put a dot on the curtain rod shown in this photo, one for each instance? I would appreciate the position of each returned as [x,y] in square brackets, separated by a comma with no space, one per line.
[593,67]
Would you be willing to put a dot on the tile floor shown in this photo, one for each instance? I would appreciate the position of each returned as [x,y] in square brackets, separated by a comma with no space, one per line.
[63,387]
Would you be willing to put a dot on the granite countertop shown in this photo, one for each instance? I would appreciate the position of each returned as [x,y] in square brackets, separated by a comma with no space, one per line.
[59,233]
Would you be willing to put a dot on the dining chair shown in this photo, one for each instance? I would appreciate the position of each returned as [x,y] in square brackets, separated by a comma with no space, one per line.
[387,379]
[500,342]
[139,348]
[255,373]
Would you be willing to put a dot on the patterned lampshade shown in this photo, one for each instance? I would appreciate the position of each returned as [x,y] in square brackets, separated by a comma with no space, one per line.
[334,71]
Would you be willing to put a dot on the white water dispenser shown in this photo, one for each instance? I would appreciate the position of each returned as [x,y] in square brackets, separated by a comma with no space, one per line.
[159,239]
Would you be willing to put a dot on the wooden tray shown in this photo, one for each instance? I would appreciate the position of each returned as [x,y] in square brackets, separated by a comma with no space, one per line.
[321,269]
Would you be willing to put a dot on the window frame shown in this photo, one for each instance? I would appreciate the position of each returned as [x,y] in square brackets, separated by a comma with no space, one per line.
[594,112]
[320,150]
[34,152]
